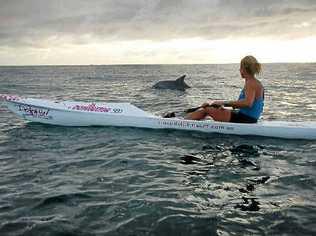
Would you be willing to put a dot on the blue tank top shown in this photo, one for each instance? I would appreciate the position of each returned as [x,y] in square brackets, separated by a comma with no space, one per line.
[255,110]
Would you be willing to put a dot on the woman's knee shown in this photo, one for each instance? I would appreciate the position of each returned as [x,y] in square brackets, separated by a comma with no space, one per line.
[211,111]
[219,114]
[197,115]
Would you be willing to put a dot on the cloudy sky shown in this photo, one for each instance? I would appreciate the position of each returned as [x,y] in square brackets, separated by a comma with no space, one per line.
[156,31]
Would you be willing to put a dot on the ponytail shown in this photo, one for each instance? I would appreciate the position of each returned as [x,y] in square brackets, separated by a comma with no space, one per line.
[251,65]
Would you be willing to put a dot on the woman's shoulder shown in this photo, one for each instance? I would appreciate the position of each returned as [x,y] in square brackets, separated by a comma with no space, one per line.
[255,83]
[260,84]
[251,83]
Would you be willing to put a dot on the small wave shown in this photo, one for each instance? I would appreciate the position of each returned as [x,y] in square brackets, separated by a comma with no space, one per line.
[68,199]
[88,78]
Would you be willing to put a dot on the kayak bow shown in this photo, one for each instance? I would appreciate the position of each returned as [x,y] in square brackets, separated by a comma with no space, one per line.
[72,113]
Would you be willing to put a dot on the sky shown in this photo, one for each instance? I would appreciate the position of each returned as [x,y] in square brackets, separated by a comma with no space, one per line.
[84,32]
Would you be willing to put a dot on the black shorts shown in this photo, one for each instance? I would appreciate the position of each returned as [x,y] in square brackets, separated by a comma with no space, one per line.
[238,117]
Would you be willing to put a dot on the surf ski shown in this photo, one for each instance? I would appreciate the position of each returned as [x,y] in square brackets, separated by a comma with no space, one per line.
[76,113]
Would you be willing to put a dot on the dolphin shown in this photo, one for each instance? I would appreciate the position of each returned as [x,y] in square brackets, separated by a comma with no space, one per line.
[177,84]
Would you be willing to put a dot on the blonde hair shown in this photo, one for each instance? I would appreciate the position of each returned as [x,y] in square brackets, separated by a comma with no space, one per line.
[251,65]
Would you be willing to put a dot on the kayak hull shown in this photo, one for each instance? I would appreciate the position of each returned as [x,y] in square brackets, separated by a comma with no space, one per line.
[69,113]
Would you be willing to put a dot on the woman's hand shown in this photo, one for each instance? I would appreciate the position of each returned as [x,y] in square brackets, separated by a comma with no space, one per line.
[205,104]
[215,104]
[218,103]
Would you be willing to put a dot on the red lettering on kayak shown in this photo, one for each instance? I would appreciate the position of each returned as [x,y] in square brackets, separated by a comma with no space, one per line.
[9,97]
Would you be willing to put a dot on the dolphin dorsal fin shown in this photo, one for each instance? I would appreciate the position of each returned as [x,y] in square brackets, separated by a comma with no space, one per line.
[180,80]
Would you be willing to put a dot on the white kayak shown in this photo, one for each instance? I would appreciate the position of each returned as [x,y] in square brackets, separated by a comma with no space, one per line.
[70,113]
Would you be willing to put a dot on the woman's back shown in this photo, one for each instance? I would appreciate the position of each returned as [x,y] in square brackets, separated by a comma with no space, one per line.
[256,109]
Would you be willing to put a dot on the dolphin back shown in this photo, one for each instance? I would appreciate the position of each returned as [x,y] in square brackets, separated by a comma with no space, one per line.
[181,83]
[177,84]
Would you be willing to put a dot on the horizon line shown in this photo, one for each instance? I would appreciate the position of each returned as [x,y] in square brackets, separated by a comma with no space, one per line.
[150,64]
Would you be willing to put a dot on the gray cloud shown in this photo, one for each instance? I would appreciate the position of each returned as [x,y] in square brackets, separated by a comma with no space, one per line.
[32,22]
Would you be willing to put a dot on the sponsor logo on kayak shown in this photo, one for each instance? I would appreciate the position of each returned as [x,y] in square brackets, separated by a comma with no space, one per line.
[34,112]
[9,97]
[94,108]
[186,124]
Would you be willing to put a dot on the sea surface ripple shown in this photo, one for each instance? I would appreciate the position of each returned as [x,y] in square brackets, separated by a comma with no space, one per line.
[128,181]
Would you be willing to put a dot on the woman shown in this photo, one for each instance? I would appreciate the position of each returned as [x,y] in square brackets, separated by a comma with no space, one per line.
[249,104]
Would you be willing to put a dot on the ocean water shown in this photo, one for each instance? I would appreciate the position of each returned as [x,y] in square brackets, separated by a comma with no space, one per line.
[127,181]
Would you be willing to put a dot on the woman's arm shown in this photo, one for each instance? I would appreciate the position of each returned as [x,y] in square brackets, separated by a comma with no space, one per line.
[246,102]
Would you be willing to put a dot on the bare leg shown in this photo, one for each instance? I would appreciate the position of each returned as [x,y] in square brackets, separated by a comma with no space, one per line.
[197,115]
[218,114]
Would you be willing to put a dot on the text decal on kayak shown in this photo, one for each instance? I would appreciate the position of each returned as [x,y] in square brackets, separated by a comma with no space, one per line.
[34,112]
[194,125]
[94,108]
